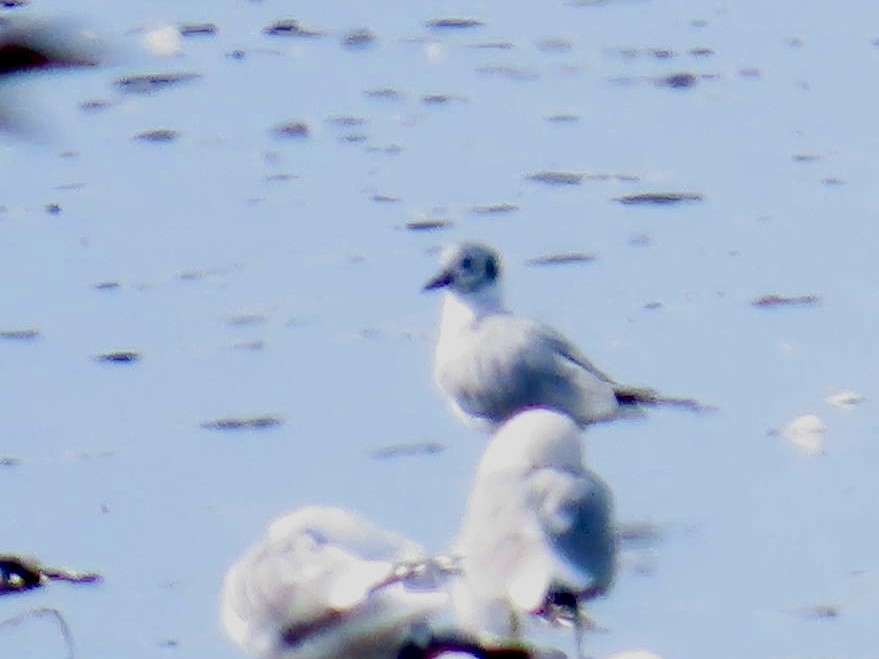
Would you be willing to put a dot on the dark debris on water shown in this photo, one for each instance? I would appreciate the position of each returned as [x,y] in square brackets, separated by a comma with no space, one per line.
[501,208]
[290,27]
[118,357]
[774,300]
[358,39]
[562,258]
[407,450]
[18,574]
[453,23]
[197,29]
[659,198]
[291,129]
[427,225]
[25,334]
[158,135]
[244,423]
[153,82]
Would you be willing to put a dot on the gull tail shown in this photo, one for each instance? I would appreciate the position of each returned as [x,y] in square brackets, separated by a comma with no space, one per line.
[628,397]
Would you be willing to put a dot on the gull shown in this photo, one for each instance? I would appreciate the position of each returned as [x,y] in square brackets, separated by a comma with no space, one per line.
[491,363]
[323,583]
[537,537]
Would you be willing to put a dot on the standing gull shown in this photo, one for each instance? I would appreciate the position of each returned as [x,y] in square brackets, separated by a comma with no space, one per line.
[491,363]
[537,536]
[325,584]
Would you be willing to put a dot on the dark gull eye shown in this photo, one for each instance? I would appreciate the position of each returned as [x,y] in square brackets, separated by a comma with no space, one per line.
[467,263]
[491,269]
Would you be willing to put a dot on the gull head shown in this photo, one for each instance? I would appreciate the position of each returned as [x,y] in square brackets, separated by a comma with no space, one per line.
[467,268]
[536,438]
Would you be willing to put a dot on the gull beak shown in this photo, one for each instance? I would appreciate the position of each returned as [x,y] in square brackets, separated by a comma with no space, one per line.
[442,280]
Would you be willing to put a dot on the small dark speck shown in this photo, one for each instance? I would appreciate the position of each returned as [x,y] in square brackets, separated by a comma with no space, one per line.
[662,53]
[13,4]
[749,72]
[245,319]
[353,138]
[284,177]
[806,157]
[512,72]
[237,54]
[556,178]
[9,461]
[158,136]
[653,306]
[291,129]
[290,27]
[641,240]
[453,23]
[197,29]
[795,42]
[562,258]
[244,423]
[701,52]
[107,286]
[53,209]
[170,643]
[775,300]
[659,198]
[832,180]
[428,225]
[678,80]
[493,45]
[28,334]
[407,450]
[249,346]
[362,38]
[118,357]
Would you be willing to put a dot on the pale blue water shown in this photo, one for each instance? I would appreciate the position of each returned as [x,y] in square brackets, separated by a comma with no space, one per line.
[116,475]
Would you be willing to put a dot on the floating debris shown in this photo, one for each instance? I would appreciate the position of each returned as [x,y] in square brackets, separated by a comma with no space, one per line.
[18,574]
[385,93]
[348,121]
[493,45]
[653,306]
[250,346]
[806,432]
[677,80]
[775,300]
[659,198]
[9,461]
[290,27]
[817,612]
[511,72]
[639,534]
[845,400]
[440,99]
[197,29]
[244,423]
[153,82]
[453,23]
[53,209]
[118,357]
[95,105]
[557,178]
[107,286]
[407,450]
[384,198]
[832,180]
[362,38]
[563,118]
[555,45]
[282,176]
[495,209]
[158,135]
[701,52]
[806,157]
[26,334]
[246,318]
[353,138]
[562,258]
[427,225]
[750,72]
[291,129]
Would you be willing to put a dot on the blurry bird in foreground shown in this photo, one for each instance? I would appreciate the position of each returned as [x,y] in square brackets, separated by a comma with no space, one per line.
[323,583]
[28,45]
[537,539]
[491,363]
